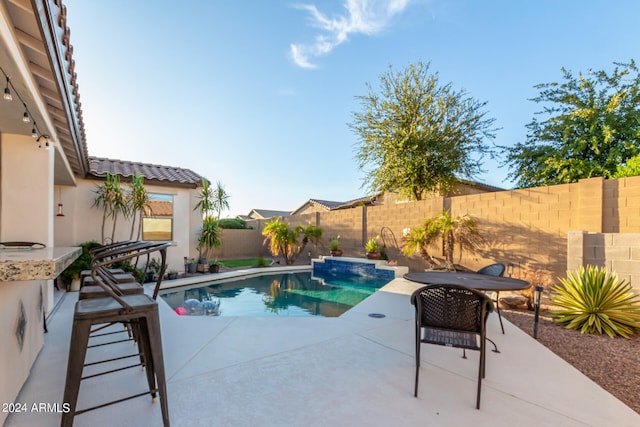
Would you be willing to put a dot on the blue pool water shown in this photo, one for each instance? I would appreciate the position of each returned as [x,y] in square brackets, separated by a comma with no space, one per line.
[287,294]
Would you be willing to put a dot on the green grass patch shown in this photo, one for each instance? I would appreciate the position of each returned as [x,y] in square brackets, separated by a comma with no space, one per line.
[248,262]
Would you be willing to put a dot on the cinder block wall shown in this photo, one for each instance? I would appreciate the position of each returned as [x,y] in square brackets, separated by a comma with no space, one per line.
[528,228]
[618,252]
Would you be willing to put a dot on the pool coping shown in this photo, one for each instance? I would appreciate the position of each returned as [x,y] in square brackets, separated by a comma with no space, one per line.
[226,276]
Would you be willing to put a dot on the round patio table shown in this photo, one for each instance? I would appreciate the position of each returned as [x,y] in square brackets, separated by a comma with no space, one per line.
[480,282]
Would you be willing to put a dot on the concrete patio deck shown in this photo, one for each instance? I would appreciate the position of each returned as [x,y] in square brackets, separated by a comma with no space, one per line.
[348,371]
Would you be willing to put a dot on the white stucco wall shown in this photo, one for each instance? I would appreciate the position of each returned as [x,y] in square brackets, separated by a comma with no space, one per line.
[27,191]
[26,198]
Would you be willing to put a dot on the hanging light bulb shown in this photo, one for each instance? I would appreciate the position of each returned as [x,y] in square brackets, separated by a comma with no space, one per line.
[46,144]
[7,92]
[34,132]
[25,117]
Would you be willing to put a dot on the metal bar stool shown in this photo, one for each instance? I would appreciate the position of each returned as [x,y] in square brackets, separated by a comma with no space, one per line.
[141,312]
[120,288]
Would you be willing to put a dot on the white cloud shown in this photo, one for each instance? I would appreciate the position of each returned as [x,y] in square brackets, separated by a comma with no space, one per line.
[361,17]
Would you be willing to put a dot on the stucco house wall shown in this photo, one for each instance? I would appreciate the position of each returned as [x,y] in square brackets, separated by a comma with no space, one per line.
[26,182]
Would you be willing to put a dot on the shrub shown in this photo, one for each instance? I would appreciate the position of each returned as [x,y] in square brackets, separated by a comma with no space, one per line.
[83,262]
[232,223]
[262,262]
[594,301]
[289,242]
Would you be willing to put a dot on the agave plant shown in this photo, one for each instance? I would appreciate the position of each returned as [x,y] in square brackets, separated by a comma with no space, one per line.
[594,301]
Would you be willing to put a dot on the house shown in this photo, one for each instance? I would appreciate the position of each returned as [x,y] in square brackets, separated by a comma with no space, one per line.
[172,192]
[264,214]
[317,205]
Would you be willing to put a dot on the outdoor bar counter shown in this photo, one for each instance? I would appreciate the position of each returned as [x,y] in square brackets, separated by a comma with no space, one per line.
[35,264]
[26,296]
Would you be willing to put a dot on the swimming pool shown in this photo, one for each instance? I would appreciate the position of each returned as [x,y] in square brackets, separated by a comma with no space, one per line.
[282,294]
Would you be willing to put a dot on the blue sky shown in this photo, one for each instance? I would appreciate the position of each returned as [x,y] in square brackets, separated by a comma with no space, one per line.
[259,94]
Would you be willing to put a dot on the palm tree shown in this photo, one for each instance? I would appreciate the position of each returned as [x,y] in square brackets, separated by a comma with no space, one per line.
[119,205]
[289,242]
[138,202]
[111,199]
[206,203]
[449,231]
[220,200]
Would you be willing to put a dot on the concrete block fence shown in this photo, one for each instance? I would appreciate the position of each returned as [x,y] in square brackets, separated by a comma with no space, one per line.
[551,229]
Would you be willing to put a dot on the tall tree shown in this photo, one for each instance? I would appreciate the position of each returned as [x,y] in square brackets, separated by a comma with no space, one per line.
[417,136]
[589,125]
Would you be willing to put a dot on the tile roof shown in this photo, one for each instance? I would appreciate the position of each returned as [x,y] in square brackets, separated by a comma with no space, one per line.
[328,204]
[267,213]
[167,175]
[482,186]
[366,200]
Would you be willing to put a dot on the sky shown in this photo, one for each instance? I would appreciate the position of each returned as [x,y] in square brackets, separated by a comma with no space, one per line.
[258,95]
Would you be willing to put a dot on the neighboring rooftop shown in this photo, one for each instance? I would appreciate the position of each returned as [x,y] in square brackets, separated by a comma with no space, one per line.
[329,205]
[265,214]
[162,175]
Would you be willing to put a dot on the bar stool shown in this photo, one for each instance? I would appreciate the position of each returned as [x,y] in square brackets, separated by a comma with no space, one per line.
[97,254]
[140,311]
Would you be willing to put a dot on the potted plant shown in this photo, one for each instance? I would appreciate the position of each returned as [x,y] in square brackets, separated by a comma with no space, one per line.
[214,266]
[191,265]
[172,275]
[334,247]
[209,238]
[372,248]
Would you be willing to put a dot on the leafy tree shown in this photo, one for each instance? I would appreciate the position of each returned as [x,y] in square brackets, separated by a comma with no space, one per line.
[590,125]
[631,168]
[417,136]
[289,242]
[446,230]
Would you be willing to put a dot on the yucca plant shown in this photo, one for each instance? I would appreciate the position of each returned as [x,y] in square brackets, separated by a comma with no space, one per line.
[594,301]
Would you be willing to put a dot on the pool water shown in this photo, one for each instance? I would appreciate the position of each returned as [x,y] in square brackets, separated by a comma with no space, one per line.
[286,294]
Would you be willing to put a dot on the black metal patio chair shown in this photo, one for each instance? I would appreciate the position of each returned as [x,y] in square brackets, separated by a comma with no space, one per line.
[496,269]
[452,316]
